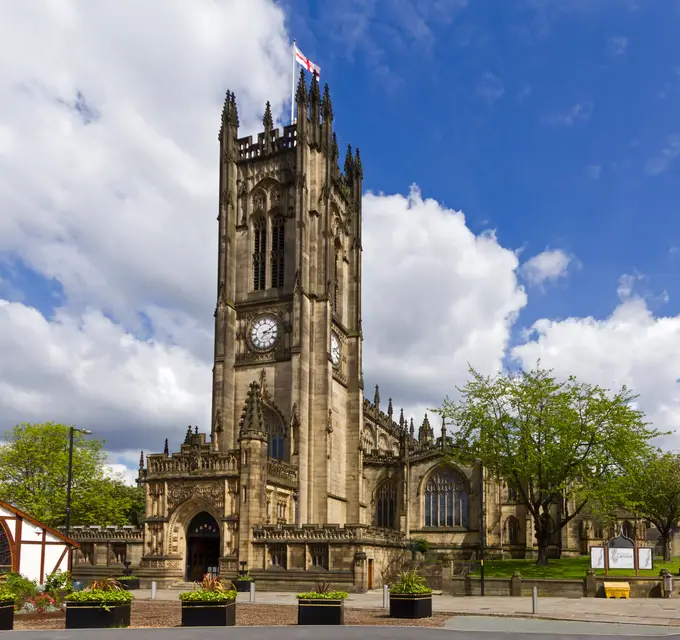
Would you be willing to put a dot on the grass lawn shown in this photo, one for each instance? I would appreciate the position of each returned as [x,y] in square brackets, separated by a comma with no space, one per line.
[566,568]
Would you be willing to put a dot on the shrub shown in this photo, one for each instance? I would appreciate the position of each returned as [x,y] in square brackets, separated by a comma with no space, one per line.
[418,545]
[58,581]
[245,576]
[322,591]
[6,595]
[411,582]
[205,595]
[130,577]
[103,596]
[21,587]
[210,589]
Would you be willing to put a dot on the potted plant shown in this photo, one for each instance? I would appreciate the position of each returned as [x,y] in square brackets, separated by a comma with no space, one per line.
[6,609]
[102,605]
[242,583]
[321,606]
[129,582]
[209,605]
[411,597]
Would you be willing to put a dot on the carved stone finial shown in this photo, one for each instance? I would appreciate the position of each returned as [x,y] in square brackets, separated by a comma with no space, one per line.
[326,105]
[251,417]
[196,430]
[267,120]
[349,164]
[401,418]
[301,93]
[358,171]
[166,451]
[390,410]
[141,460]
[376,397]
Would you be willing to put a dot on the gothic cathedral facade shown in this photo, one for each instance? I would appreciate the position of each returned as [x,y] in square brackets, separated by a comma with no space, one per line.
[300,474]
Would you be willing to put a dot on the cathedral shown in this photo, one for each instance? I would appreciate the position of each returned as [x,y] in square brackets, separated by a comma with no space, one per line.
[301,476]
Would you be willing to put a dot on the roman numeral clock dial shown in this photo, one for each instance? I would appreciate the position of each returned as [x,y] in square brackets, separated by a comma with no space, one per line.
[264,333]
[335,350]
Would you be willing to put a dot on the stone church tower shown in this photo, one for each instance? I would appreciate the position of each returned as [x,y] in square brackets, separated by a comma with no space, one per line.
[300,477]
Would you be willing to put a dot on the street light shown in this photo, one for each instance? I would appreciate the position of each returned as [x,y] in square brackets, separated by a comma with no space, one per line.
[482,526]
[69,479]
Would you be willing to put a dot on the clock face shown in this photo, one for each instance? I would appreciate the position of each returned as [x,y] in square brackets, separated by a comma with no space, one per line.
[264,332]
[335,350]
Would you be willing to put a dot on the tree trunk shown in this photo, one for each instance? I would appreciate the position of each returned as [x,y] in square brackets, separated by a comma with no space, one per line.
[542,530]
[666,542]
[542,559]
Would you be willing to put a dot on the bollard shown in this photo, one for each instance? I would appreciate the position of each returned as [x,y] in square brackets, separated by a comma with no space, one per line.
[252,591]
[386,597]
[534,600]
[153,590]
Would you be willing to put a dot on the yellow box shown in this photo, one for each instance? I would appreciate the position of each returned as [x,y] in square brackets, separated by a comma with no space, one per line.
[617,589]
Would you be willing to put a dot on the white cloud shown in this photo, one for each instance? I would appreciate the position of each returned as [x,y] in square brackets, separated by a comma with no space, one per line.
[546,267]
[662,161]
[617,45]
[631,347]
[436,297]
[594,171]
[490,87]
[121,212]
[579,112]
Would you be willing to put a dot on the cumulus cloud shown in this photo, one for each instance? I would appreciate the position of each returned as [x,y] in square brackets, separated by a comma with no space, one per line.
[436,296]
[108,187]
[546,267]
[631,347]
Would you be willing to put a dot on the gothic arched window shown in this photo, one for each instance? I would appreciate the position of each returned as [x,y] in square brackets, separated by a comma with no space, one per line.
[628,530]
[278,246]
[5,551]
[276,436]
[259,253]
[446,500]
[512,525]
[336,281]
[368,440]
[386,505]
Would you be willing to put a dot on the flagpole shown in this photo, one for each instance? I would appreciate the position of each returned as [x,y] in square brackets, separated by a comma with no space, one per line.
[292,89]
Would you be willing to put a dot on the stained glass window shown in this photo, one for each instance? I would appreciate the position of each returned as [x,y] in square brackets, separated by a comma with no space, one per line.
[446,500]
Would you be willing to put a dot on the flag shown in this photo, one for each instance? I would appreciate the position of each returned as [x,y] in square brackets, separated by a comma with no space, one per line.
[306,62]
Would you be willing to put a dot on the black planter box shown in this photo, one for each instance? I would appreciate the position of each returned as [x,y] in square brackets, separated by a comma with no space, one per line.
[327,612]
[209,614]
[7,615]
[242,586]
[410,605]
[129,585]
[92,615]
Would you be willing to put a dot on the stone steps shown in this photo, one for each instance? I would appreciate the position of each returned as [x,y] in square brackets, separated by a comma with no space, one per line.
[183,586]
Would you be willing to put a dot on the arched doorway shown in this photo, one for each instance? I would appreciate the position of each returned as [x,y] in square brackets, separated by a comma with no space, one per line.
[203,547]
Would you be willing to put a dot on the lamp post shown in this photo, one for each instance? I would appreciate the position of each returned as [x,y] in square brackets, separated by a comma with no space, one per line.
[69,479]
[482,527]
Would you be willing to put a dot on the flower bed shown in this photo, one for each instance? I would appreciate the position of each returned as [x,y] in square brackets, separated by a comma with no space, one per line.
[103,605]
[210,605]
[321,606]
[411,597]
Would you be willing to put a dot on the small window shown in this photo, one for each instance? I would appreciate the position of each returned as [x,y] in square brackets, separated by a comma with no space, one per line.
[278,252]
[259,253]
[277,555]
[319,553]
[245,494]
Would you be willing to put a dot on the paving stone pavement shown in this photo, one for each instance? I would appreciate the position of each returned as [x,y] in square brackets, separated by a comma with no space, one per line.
[638,611]
[298,633]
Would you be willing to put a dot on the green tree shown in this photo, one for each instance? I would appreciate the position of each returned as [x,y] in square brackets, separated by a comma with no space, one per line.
[564,445]
[34,471]
[653,487]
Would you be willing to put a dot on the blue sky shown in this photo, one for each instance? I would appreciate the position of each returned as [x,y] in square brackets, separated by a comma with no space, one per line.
[551,122]
[542,120]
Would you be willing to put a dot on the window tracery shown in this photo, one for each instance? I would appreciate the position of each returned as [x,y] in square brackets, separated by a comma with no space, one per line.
[386,505]
[446,500]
